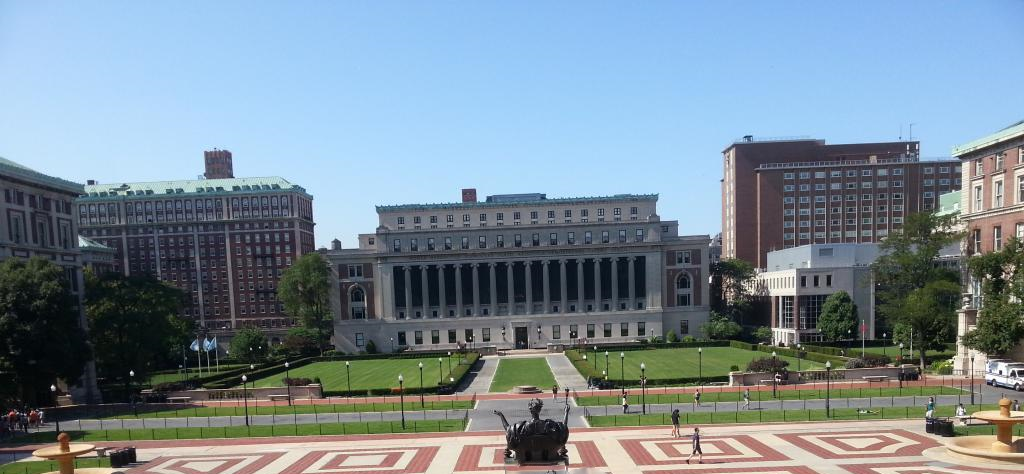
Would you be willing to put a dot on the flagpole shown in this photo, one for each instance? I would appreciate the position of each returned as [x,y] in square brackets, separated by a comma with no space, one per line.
[199,357]
[216,353]
[863,336]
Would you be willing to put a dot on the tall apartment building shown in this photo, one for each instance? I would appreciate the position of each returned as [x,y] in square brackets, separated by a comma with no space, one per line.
[519,271]
[991,210]
[37,220]
[778,194]
[225,241]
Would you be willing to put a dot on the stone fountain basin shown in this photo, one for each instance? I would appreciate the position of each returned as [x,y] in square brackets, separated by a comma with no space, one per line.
[980,446]
[54,452]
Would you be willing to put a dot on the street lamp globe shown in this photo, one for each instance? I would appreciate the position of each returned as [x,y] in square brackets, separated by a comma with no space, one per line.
[53,388]
[252,366]
[245,379]
[700,349]
[622,355]
[346,363]
[643,366]
[286,364]
[828,364]
[131,373]
[400,378]
[421,365]
[606,353]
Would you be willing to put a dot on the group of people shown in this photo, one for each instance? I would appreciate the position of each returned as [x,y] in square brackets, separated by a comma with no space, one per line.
[554,393]
[677,433]
[15,420]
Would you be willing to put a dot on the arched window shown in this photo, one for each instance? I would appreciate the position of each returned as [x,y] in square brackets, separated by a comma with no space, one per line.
[358,296]
[684,290]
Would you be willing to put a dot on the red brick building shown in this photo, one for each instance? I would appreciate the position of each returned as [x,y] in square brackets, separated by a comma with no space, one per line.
[779,194]
[225,241]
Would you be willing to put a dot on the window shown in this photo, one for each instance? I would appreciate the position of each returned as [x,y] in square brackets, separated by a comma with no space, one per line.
[413,245]
[574,331]
[355,271]
[787,175]
[486,334]
[999,161]
[418,338]
[556,331]
[977,199]
[482,242]
[551,214]
[997,238]
[622,235]
[500,241]
[447,243]
[469,335]
[590,331]
[997,197]
[684,290]
[570,238]
[516,215]
[588,237]
[977,241]
[465,218]
[401,221]
[500,216]
[683,257]
[605,237]
[639,235]
[568,213]
[430,243]
[360,339]
[789,188]
[517,240]
[979,167]
[397,245]
[805,175]
[803,281]
[435,336]
[483,217]
[641,328]
[465,243]
[607,329]
[553,238]
[684,326]
[1020,189]
[617,211]
[416,220]
[535,241]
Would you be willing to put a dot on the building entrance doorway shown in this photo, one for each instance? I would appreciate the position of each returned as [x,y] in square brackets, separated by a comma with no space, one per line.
[521,338]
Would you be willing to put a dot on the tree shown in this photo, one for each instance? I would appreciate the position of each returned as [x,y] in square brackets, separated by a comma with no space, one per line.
[1000,326]
[763,334]
[838,316]
[134,324]
[730,283]
[720,327]
[906,277]
[250,345]
[304,289]
[42,338]
[301,342]
[671,336]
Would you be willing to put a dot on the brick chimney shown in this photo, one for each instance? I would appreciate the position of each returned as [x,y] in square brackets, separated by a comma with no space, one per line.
[218,164]
[468,194]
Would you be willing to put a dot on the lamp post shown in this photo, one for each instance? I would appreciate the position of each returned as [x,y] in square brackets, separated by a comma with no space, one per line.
[392,344]
[622,367]
[288,382]
[595,358]
[606,360]
[401,396]
[348,376]
[503,334]
[56,418]
[775,378]
[899,361]
[440,372]
[131,384]
[972,378]
[799,352]
[245,397]
[828,380]
[700,366]
[539,333]
[421,384]
[449,363]
[643,387]
[883,343]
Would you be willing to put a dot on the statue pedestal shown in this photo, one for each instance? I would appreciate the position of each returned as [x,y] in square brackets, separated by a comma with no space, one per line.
[512,466]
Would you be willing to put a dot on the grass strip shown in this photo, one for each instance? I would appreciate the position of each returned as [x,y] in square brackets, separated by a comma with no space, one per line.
[765,395]
[412,403]
[770,416]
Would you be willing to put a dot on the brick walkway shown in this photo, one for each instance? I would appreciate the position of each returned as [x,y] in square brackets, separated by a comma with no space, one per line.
[878,447]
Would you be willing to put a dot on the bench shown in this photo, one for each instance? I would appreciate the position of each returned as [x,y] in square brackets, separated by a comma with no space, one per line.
[276,398]
[876,378]
[179,399]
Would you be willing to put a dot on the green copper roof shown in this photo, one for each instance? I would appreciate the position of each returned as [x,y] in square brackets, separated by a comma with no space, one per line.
[89,244]
[17,170]
[949,203]
[192,187]
[1007,133]
[516,203]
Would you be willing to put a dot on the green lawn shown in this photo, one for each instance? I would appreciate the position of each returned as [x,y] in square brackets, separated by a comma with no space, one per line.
[681,363]
[37,467]
[529,371]
[767,416]
[893,351]
[710,395]
[164,376]
[369,374]
[371,427]
[411,404]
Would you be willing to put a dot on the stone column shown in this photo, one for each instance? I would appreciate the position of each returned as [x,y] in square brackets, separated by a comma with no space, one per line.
[511,287]
[494,287]
[528,278]
[458,291]
[597,284]
[424,291]
[631,280]
[547,285]
[441,300]
[408,291]
[476,288]
[615,283]
[562,286]
[580,285]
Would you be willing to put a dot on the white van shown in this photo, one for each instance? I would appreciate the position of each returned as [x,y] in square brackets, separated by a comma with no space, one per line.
[999,369]
[1014,378]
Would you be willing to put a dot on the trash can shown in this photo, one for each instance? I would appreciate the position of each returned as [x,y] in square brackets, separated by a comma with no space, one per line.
[118,458]
[944,428]
[131,455]
[929,425]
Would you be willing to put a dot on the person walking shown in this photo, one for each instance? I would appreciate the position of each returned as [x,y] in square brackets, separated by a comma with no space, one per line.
[696,397]
[554,392]
[930,409]
[567,394]
[1016,405]
[625,403]
[696,447]
[746,398]
[675,424]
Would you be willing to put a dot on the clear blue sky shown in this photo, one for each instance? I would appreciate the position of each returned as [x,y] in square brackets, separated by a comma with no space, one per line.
[376,102]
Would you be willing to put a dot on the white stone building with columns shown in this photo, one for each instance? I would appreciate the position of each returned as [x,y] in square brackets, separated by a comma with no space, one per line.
[519,271]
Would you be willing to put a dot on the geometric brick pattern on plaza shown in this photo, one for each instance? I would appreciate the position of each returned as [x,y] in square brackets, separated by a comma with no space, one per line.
[876,447]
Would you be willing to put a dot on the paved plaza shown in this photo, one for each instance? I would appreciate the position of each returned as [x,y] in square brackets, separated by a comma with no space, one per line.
[877,447]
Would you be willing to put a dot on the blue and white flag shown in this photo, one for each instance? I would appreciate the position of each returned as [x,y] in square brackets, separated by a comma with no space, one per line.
[195,345]
[210,344]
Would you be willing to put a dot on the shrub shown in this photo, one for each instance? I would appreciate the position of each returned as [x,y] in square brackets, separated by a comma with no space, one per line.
[767,364]
[296,381]
[856,364]
[942,367]
[734,368]
[371,347]
[876,360]
[671,336]
[689,339]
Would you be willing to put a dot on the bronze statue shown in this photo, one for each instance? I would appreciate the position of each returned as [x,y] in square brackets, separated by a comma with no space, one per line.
[536,440]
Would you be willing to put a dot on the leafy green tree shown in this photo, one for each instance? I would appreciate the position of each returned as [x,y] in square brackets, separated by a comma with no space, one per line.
[671,336]
[42,339]
[838,316]
[763,334]
[250,345]
[720,327]
[134,324]
[907,276]
[1000,326]
[301,342]
[730,280]
[305,291]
